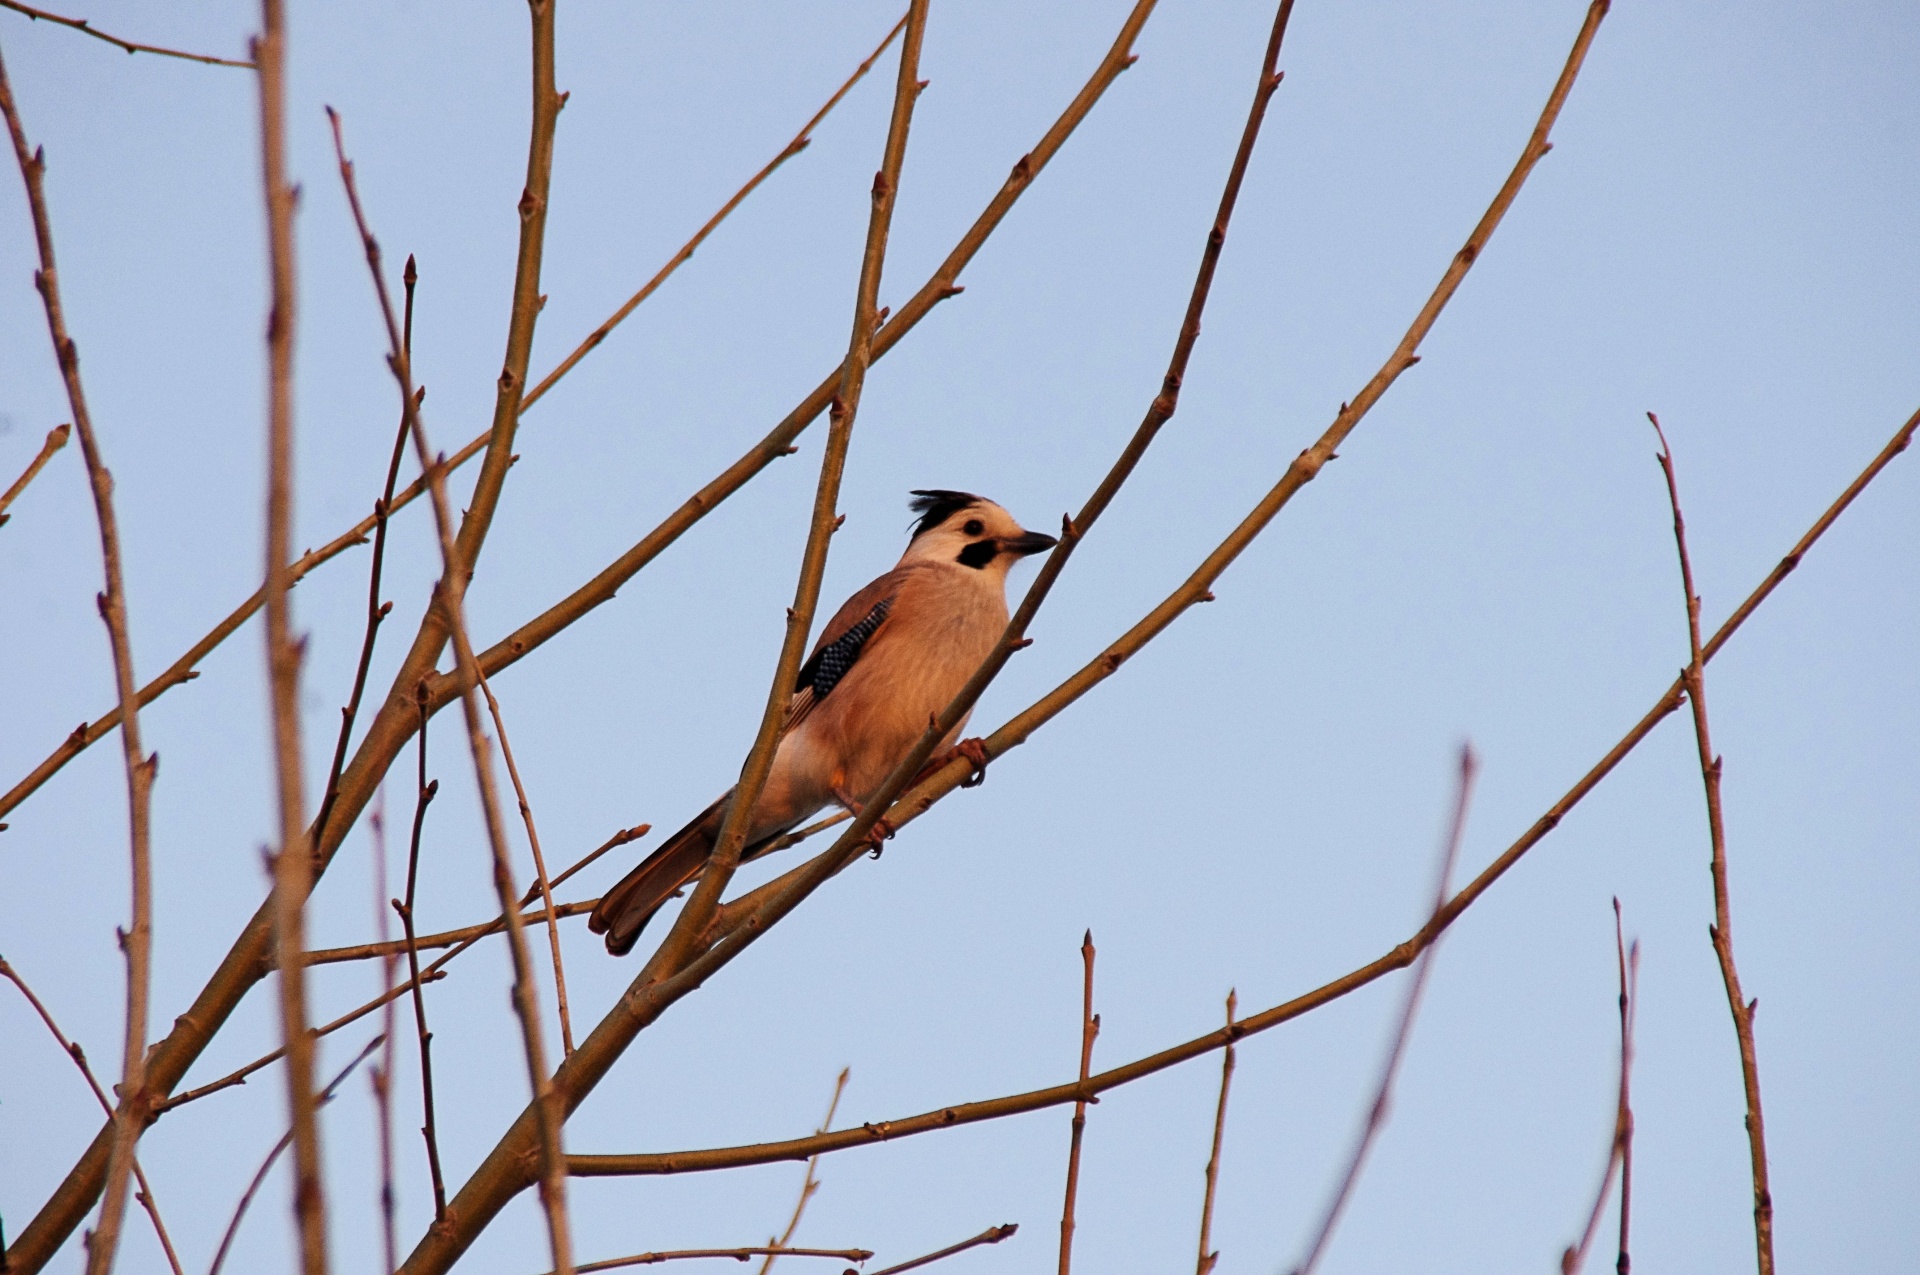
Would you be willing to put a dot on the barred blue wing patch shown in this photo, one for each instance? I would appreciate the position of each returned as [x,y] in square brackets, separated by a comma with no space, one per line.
[831,662]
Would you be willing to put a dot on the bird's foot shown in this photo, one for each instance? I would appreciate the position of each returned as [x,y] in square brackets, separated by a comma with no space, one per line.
[881,831]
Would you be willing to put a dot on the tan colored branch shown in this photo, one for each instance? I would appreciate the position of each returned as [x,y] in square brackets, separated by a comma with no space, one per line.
[145,1194]
[808,1184]
[131,1116]
[1721,931]
[1089,1028]
[56,439]
[992,1235]
[1208,1257]
[737,1254]
[293,864]
[450,596]
[86,28]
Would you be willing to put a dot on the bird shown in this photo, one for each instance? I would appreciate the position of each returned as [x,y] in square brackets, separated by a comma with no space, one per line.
[889,660]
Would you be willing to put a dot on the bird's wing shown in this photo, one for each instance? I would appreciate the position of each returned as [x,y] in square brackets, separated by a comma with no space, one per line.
[857,620]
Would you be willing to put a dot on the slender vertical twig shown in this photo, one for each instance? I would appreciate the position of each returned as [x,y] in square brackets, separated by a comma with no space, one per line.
[449,597]
[1720,933]
[382,1071]
[56,439]
[541,882]
[809,1184]
[87,28]
[425,793]
[1383,1094]
[145,1193]
[131,1115]
[1208,1257]
[324,1097]
[800,142]
[1620,1149]
[376,609]
[293,865]
[728,842]
[1089,1028]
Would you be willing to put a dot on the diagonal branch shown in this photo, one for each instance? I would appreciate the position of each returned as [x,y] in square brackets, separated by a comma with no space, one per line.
[808,1184]
[1721,931]
[1209,1257]
[131,1117]
[992,1235]
[1398,958]
[1089,1028]
[1620,1147]
[56,439]
[86,28]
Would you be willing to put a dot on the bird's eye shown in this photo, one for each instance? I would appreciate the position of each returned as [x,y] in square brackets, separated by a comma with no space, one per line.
[974,527]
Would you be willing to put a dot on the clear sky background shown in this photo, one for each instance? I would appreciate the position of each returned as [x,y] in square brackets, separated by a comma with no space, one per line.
[1724,233]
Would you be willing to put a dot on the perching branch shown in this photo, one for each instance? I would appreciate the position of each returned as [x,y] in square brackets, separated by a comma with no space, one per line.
[1089,1028]
[1721,931]
[56,439]
[86,28]
[293,864]
[130,1117]
[1390,1071]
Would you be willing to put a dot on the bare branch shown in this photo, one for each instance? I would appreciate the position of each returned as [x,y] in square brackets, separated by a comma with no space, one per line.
[1383,1096]
[1721,931]
[382,1072]
[1208,1258]
[992,1235]
[425,791]
[1620,1149]
[809,1184]
[293,864]
[130,1118]
[1089,1028]
[85,28]
[56,439]
[737,1254]
[145,1194]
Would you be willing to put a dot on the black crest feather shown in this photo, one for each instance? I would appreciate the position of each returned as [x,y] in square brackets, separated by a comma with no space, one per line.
[935,506]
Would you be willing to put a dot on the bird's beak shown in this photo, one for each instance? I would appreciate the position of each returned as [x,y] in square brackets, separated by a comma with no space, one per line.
[1029,542]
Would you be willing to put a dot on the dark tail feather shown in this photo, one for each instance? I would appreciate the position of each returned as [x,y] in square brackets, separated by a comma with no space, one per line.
[625,910]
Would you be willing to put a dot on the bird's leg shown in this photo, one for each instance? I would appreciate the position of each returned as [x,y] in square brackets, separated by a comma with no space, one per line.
[974,750]
[882,830]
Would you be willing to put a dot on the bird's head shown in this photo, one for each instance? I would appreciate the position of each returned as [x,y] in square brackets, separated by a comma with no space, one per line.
[957,526]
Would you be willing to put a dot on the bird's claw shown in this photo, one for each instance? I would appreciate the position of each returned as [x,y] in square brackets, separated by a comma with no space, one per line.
[881,831]
[975,751]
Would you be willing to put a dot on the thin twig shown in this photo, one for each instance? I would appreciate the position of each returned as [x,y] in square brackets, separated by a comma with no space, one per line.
[446,938]
[1720,933]
[85,28]
[382,1072]
[131,1116]
[680,941]
[809,1184]
[1383,1095]
[293,865]
[376,609]
[266,1166]
[1089,1028]
[544,886]
[450,594]
[1208,1257]
[992,1235]
[1620,1149]
[145,1193]
[182,670]
[737,1254]
[56,439]
[425,791]
[800,142]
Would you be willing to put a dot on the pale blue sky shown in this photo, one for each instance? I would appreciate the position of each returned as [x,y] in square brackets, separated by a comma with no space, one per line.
[1724,233]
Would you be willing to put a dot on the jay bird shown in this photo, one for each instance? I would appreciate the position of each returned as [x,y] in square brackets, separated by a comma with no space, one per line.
[891,658]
